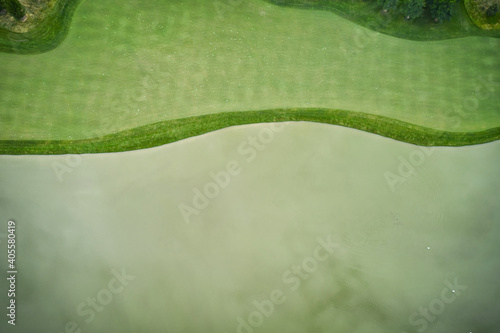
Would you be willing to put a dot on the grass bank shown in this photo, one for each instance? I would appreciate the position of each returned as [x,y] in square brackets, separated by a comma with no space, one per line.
[45,35]
[122,85]
[369,14]
[174,130]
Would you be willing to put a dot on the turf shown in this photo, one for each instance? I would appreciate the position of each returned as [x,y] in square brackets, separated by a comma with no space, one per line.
[130,65]
[51,31]
[170,131]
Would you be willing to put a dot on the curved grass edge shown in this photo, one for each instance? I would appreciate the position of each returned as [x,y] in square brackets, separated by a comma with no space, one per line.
[160,133]
[367,14]
[52,31]
[46,36]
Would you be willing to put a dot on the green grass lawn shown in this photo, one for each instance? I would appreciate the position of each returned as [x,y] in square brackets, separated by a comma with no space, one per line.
[129,65]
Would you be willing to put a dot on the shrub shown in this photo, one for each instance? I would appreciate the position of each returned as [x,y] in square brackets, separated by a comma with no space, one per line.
[15,8]
[441,10]
[412,8]
[492,10]
[388,4]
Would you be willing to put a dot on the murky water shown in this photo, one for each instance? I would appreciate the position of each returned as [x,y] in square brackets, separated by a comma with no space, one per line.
[297,227]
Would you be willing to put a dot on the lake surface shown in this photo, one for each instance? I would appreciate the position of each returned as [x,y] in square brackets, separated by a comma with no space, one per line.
[294,227]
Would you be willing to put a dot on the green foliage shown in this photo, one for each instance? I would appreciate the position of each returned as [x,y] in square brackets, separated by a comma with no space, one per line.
[441,10]
[492,10]
[389,4]
[15,8]
[412,9]
[477,11]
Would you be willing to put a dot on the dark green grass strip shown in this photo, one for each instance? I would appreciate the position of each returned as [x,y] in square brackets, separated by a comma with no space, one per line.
[368,14]
[45,36]
[174,130]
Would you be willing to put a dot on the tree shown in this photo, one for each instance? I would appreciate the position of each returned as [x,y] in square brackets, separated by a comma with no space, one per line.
[412,9]
[492,10]
[13,7]
[441,10]
[389,4]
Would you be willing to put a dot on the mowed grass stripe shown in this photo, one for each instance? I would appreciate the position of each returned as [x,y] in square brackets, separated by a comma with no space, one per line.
[174,130]
[160,62]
